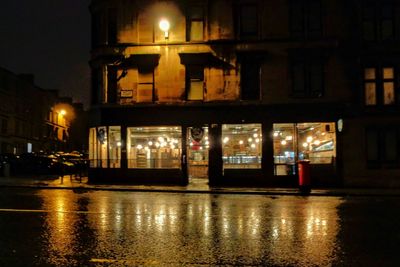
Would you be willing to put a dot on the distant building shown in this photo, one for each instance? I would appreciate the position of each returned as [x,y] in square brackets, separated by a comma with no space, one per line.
[237,92]
[33,119]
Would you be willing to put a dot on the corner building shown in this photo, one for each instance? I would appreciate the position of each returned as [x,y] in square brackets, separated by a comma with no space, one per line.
[237,92]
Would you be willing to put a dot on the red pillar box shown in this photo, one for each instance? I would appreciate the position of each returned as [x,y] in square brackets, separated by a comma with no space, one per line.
[304,175]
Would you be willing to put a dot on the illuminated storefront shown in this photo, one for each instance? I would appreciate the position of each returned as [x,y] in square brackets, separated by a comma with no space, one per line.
[190,152]
[241,146]
[154,147]
[313,141]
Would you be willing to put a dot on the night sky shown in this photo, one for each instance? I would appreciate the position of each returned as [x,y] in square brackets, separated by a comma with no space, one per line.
[50,39]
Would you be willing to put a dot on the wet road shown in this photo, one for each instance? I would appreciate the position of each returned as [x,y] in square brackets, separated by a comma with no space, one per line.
[101,228]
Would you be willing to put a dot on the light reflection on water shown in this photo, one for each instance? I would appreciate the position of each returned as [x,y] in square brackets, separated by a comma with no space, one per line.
[142,229]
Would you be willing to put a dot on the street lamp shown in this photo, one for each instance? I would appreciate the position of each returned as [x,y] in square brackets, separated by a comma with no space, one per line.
[164,26]
[63,112]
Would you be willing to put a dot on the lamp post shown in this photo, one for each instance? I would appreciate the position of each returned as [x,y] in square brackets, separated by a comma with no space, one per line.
[164,26]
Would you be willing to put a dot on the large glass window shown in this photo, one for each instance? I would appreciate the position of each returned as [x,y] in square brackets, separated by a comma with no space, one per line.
[241,146]
[315,141]
[154,147]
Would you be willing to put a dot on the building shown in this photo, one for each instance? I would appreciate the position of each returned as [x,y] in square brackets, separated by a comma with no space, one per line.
[33,119]
[237,92]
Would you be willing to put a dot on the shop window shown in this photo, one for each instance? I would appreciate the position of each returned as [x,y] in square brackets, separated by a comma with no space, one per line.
[377,20]
[98,155]
[314,141]
[382,147]
[154,147]
[195,82]
[305,18]
[307,78]
[379,86]
[195,24]
[241,146]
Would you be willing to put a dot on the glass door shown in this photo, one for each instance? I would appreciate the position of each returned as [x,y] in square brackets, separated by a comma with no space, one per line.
[197,153]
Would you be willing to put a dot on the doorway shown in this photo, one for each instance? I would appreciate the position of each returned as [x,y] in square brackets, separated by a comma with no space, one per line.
[197,154]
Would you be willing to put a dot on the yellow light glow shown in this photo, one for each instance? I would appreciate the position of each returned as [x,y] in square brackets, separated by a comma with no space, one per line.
[283,142]
[164,25]
[63,112]
[309,139]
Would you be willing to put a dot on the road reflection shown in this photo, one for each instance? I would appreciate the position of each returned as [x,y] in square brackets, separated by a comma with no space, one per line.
[175,229]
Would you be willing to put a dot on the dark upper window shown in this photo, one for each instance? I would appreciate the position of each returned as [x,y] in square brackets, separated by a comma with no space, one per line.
[96,29]
[112,26]
[307,77]
[96,86]
[111,84]
[250,80]
[4,126]
[382,146]
[379,86]
[145,88]
[194,82]
[146,28]
[195,23]
[377,20]
[305,20]
[248,21]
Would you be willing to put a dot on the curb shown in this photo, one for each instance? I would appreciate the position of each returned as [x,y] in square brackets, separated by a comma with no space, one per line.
[318,192]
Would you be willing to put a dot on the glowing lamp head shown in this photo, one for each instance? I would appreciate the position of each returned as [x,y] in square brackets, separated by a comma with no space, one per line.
[63,112]
[164,25]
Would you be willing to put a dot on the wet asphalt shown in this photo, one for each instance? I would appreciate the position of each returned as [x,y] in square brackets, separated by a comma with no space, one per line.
[106,228]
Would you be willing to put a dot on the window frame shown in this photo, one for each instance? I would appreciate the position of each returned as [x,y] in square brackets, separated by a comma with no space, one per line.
[190,18]
[188,78]
[244,84]
[377,20]
[306,14]
[380,142]
[248,34]
[307,65]
[379,82]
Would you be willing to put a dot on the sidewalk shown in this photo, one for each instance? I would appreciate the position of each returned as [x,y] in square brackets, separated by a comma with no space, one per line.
[54,182]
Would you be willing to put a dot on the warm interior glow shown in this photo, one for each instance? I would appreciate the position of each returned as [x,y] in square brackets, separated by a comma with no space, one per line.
[63,112]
